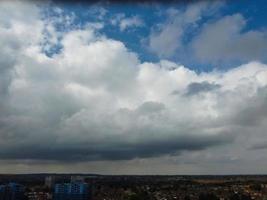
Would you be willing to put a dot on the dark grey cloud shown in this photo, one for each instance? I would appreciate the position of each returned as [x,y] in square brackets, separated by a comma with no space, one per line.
[150,107]
[196,88]
[259,146]
[25,138]
[115,148]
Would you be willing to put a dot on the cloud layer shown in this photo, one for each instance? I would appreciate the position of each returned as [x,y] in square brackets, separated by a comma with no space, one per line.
[95,100]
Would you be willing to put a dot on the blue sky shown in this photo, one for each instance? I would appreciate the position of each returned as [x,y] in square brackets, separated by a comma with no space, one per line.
[136,37]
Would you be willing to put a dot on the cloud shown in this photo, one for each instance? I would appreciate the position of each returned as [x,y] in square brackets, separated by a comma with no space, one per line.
[213,40]
[168,37]
[131,22]
[259,146]
[125,23]
[98,11]
[96,101]
[196,88]
[226,40]
[127,136]
[254,112]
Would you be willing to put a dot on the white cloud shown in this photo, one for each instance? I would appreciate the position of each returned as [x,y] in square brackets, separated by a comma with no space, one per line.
[131,22]
[208,40]
[225,40]
[125,23]
[167,38]
[97,11]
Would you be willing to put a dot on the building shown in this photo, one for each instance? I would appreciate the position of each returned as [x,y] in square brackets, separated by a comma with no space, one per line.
[76,179]
[12,191]
[71,191]
[38,195]
[50,181]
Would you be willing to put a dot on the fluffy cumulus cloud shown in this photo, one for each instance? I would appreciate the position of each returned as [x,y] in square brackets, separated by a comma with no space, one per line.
[96,101]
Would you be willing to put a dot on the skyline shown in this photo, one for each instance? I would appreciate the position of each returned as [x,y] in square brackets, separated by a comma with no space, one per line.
[133,88]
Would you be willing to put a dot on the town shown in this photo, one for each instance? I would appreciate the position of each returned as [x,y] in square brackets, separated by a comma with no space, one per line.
[103,187]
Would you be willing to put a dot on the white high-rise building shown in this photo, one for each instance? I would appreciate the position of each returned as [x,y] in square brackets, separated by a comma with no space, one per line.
[49,181]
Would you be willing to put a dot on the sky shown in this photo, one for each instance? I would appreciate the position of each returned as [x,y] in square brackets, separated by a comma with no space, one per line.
[133,88]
